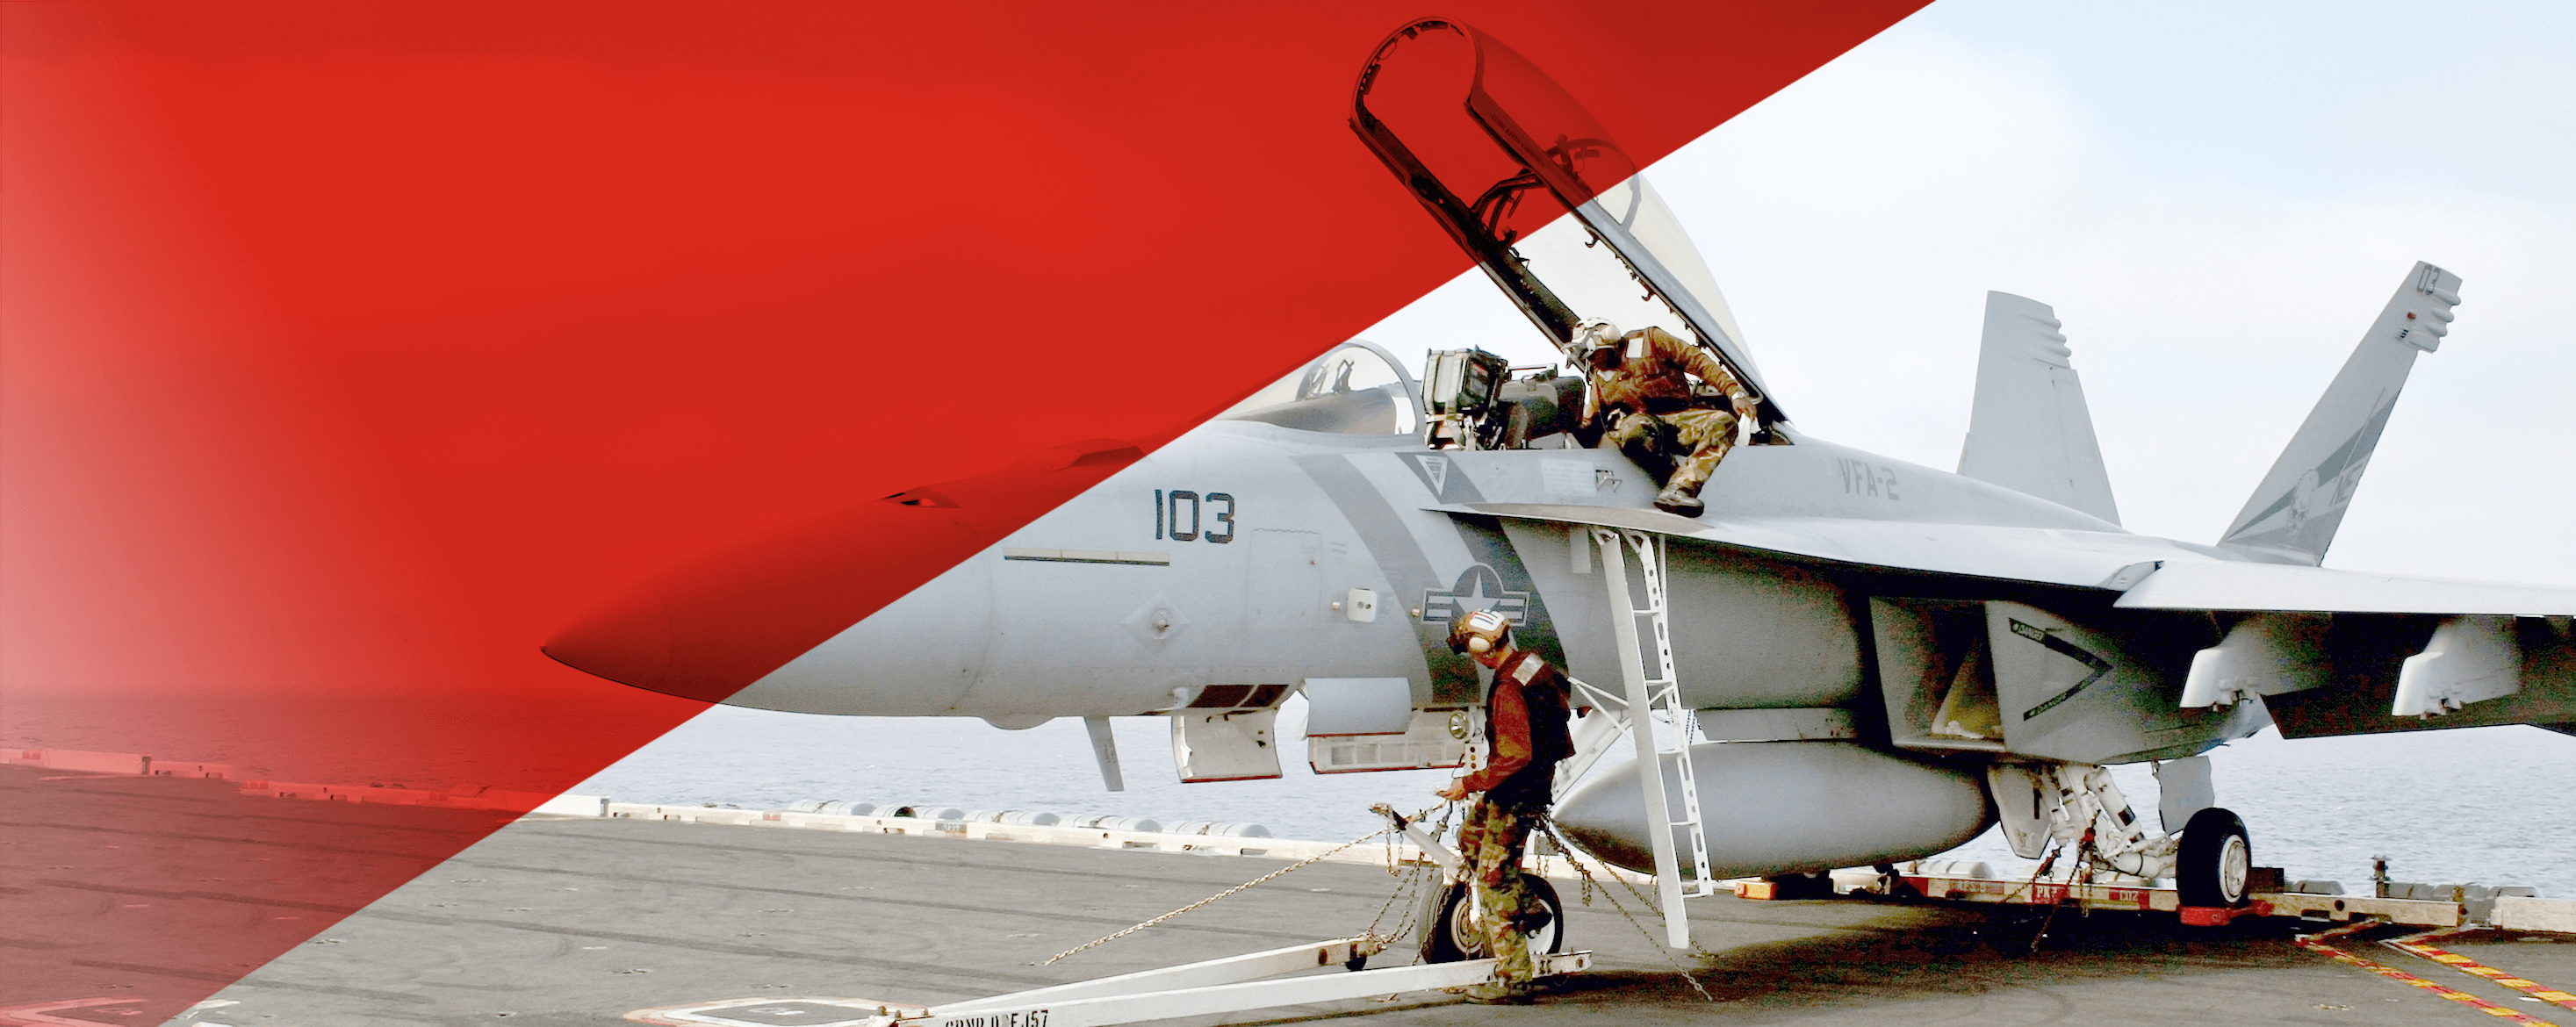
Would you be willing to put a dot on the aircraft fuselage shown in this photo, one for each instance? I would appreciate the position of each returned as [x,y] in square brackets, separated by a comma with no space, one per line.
[1231,557]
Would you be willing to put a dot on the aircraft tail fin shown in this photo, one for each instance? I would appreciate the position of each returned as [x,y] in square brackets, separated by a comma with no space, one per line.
[2293,514]
[2030,430]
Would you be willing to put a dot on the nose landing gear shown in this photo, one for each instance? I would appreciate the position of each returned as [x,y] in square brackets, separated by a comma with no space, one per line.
[1459,933]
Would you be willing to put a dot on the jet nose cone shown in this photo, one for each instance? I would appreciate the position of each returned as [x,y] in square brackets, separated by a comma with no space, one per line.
[627,641]
[710,628]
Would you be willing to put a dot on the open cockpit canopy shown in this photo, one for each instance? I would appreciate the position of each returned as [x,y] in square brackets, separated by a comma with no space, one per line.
[1501,156]
[1356,389]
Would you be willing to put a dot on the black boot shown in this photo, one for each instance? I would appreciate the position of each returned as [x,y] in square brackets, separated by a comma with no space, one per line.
[1679,499]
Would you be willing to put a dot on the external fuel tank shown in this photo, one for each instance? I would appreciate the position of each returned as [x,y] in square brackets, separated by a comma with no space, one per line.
[1788,807]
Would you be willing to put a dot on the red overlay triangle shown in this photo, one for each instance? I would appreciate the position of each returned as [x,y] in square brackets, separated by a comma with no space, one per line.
[353,350]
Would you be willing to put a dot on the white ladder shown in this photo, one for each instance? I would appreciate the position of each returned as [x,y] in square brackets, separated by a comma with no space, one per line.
[1646,696]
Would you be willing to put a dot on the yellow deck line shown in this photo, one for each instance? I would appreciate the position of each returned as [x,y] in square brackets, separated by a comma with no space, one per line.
[2313,943]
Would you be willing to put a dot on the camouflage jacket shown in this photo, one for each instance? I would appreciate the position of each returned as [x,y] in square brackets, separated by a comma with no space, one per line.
[1651,378]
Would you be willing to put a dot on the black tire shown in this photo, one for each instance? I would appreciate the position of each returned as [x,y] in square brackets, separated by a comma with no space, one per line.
[1454,936]
[2215,861]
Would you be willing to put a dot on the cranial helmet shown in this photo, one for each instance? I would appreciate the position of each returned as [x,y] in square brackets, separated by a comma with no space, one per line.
[1480,632]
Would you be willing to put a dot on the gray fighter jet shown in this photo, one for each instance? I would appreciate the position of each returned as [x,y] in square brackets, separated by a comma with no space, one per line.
[1876,660]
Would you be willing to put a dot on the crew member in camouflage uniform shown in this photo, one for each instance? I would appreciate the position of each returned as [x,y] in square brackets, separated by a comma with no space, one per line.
[1526,736]
[1642,381]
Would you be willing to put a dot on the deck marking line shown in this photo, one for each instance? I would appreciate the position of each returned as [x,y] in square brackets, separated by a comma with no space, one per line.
[710,1014]
[2413,944]
[2312,943]
[35,1015]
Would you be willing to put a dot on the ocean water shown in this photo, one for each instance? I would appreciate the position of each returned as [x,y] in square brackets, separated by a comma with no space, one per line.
[2490,805]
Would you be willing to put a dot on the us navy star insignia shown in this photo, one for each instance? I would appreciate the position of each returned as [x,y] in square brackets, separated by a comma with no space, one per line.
[1478,589]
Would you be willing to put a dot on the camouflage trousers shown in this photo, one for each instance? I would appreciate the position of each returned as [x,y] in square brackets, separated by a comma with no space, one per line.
[1693,440]
[1490,844]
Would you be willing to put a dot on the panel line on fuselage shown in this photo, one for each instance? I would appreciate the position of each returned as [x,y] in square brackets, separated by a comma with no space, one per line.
[1401,554]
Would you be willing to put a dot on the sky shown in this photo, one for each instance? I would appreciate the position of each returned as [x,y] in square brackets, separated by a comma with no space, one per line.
[2216,199]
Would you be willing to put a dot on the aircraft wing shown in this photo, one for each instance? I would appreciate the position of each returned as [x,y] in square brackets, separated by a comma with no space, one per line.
[2216,585]
[2055,556]
[2151,573]
[2326,652]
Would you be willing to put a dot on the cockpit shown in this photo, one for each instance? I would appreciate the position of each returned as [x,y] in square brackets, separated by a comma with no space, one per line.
[1528,184]
[1356,389]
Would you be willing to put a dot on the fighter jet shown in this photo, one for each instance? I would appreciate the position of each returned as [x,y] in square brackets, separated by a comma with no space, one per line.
[1877,660]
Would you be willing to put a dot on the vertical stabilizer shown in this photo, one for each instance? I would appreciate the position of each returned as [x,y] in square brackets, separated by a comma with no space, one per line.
[2031,431]
[2293,515]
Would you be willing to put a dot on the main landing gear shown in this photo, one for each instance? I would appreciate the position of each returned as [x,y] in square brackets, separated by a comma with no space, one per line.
[2077,807]
[2215,862]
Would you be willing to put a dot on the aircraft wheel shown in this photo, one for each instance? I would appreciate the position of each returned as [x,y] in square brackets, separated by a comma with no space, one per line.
[2215,860]
[1457,935]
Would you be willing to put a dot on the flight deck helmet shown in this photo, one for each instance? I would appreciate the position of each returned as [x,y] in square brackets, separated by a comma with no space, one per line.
[1592,337]
[1480,632]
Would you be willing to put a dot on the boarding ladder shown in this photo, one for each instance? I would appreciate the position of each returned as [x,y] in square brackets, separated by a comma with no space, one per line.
[1645,697]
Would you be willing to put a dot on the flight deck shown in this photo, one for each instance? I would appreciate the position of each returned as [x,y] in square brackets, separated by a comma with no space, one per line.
[599,920]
